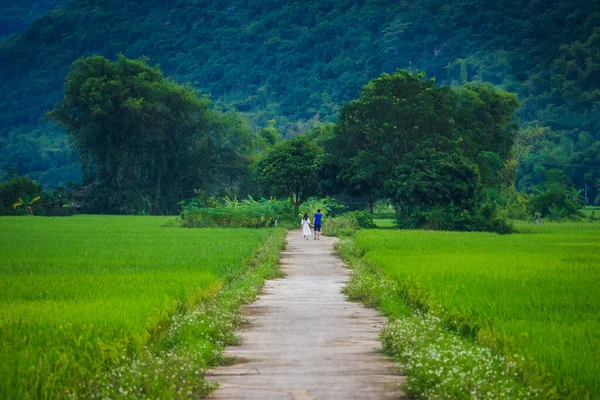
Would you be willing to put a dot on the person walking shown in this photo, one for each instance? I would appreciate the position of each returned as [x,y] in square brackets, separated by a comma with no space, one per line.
[305,227]
[317,224]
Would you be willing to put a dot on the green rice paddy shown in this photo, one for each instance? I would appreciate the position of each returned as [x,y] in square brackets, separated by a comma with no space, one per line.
[541,288]
[78,293]
[384,223]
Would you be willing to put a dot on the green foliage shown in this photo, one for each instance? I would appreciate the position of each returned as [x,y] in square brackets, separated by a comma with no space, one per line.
[19,187]
[239,217]
[136,133]
[575,153]
[289,170]
[554,200]
[194,340]
[435,189]
[144,141]
[363,218]
[41,152]
[423,343]
[577,197]
[343,225]
[513,203]
[491,217]
[394,115]
[486,125]
[204,199]
[98,295]
[58,202]
[16,16]
[248,213]
[468,280]
[328,206]
[227,155]
[420,145]
[269,135]
[383,209]
[348,223]
[297,63]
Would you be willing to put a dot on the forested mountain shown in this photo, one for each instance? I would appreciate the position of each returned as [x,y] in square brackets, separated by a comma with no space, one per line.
[298,61]
[16,15]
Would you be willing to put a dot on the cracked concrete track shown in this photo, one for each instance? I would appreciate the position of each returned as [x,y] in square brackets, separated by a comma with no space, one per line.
[304,340]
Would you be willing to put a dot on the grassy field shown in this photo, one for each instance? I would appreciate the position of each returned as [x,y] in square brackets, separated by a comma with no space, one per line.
[384,223]
[79,293]
[587,211]
[541,288]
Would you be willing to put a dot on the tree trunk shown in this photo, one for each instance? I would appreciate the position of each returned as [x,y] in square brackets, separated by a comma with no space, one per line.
[371,205]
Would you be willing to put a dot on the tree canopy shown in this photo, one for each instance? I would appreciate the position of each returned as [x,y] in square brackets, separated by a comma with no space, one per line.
[144,142]
[299,62]
[404,118]
[289,169]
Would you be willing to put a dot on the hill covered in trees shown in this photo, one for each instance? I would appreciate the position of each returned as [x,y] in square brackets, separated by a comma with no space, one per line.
[297,62]
[17,15]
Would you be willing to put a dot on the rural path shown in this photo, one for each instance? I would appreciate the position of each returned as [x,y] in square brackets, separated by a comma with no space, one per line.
[304,340]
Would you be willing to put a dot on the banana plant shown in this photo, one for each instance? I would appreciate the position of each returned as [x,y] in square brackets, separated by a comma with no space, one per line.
[251,202]
[26,202]
[576,196]
[230,203]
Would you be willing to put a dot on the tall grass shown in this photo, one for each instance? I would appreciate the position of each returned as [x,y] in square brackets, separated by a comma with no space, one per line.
[536,293]
[77,294]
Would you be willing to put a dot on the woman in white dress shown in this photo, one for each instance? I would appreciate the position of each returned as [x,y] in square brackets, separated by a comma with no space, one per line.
[305,226]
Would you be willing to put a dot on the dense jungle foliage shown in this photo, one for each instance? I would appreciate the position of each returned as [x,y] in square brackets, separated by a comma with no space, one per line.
[298,62]
[17,15]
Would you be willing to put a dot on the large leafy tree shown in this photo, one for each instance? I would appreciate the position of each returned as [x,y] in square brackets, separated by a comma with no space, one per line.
[444,182]
[289,170]
[486,127]
[143,140]
[421,145]
[233,147]
[394,115]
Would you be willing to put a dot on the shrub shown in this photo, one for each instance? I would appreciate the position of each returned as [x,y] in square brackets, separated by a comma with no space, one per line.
[487,216]
[222,217]
[327,205]
[555,198]
[363,218]
[557,214]
[19,187]
[517,207]
[340,226]
[348,223]
[383,209]
[434,189]
[248,213]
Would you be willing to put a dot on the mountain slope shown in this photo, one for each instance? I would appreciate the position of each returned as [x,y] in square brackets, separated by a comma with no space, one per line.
[297,61]
[16,15]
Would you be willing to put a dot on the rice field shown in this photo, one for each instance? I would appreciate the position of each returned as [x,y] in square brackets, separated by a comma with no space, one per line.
[79,293]
[384,223]
[540,288]
[591,212]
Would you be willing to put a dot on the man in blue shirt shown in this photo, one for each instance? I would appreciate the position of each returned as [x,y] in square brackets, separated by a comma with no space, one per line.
[317,224]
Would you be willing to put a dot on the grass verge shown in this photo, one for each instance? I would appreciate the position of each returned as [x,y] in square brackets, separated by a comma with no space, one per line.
[171,366]
[438,363]
[84,295]
[532,294]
